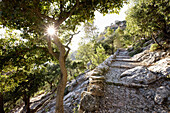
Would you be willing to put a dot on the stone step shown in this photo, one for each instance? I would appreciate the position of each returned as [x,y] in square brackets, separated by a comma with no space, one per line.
[122,63]
[123,57]
[96,82]
[123,54]
[126,60]
[125,67]
[97,77]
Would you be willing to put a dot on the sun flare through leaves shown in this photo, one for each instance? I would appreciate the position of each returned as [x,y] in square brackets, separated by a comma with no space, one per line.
[51,30]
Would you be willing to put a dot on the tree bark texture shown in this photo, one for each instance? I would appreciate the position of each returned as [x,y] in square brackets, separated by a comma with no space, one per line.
[63,79]
[1,103]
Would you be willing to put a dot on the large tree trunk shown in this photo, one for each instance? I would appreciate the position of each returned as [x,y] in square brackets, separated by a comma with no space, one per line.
[1,103]
[27,102]
[63,79]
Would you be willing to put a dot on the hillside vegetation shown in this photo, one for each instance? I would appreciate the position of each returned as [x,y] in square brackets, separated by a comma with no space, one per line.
[126,63]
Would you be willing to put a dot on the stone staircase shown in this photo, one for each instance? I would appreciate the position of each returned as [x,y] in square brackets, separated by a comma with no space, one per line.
[120,97]
[108,93]
[121,63]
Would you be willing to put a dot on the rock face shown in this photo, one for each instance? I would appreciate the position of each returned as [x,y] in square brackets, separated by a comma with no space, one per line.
[139,75]
[89,103]
[72,99]
[162,66]
[72,96]
[148,58]
[120,85]
[162,94]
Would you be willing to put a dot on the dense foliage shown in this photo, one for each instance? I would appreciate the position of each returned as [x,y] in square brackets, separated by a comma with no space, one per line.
[20,61]
[27,59]
[149,18]
[33,17]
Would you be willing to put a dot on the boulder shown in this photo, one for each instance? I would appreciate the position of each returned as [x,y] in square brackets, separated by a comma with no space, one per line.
[162,93]
[103,68]
[139,75]
[72,85]
[89,103]
[162,66]
[141,56]
[81,79]
[149,57]
[96,90]
[153,57]
[82,85]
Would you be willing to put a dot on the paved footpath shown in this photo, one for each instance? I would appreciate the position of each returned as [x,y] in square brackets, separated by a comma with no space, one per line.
[121,99]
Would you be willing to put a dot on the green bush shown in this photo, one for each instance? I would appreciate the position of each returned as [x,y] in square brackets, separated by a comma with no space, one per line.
[154,47]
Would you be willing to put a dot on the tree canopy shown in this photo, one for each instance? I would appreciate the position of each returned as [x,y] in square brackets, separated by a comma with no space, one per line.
[33,17]
[149,17]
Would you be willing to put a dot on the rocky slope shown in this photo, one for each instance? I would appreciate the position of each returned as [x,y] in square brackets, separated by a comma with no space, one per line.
[134,87]
[120,84]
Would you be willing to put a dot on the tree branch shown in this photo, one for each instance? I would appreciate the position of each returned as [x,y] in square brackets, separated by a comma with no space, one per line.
[61,7]
[44,16]
[50,49]
[70,39]
[67,14]
[67,52]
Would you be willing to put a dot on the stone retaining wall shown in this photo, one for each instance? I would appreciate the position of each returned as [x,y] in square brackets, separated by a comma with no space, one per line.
[95,90]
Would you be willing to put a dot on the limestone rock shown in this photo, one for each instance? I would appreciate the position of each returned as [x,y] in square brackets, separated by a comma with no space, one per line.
[162,93]
[67,109]
[96,82]
[72,85]
[149,57]
[97,77]
[103,68]
[89,102]
[139,75]
[96,90]
[162,66]
[141,56]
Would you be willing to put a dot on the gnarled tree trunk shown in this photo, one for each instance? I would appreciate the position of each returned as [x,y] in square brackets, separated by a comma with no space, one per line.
[61,57]
[1,103]
[63,78]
